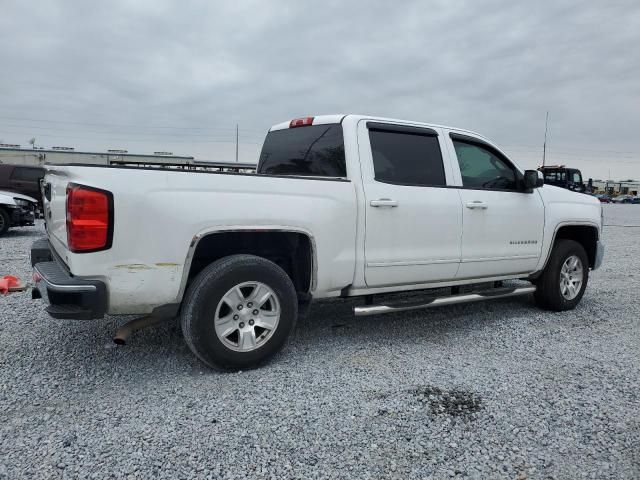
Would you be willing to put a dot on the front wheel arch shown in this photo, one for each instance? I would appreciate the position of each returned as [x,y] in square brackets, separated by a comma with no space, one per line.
[549,293]
[585,235]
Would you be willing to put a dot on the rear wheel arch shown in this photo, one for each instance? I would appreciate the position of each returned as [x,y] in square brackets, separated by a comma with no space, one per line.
[292,249]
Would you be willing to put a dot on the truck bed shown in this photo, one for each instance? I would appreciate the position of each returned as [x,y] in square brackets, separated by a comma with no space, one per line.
[160,213]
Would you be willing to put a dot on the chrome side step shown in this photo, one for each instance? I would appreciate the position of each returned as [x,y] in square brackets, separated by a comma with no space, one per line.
[440,301]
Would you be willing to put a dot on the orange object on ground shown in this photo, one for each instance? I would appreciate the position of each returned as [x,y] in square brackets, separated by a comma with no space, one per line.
[9,283]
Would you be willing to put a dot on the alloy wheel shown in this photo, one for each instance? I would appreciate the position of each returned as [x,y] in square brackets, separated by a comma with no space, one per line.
[571,277]
[247,316]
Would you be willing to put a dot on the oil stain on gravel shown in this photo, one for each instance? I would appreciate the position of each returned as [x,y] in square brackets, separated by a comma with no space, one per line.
[455,403]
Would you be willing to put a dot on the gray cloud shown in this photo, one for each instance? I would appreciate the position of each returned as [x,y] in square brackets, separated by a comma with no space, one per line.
[117,74]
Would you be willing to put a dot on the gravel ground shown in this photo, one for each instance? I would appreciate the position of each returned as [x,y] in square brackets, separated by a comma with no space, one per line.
[491,390]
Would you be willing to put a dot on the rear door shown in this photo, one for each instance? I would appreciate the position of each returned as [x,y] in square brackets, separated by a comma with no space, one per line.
[413,221]
[502,224]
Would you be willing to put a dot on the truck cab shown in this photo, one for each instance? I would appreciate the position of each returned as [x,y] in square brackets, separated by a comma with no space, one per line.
[563,177]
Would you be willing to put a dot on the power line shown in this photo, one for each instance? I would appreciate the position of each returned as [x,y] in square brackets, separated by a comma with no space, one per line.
[554,153]
[586,149]
[231,130]
[170,127]
[154,134]
[116,139]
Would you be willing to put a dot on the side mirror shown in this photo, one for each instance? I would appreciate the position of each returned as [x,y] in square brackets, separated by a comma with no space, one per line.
[533,179]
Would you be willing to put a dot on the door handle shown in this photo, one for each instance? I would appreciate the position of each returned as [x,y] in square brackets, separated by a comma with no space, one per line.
[383,202]
[477,204]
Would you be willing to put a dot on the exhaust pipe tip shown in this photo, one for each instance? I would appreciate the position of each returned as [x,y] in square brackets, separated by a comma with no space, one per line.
[125,331]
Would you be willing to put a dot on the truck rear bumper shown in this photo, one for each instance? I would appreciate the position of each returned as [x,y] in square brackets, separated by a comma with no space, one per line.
[67,297]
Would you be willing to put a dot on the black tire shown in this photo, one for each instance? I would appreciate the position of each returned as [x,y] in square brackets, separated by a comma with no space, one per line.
[5,221]
[548,294]
[205,294]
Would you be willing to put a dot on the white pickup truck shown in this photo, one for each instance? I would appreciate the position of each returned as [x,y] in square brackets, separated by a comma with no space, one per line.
[340,206]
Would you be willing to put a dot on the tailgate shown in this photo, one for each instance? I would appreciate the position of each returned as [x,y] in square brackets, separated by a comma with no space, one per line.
[54,197]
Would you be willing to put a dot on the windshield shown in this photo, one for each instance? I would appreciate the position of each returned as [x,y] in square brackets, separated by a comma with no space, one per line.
[316,150]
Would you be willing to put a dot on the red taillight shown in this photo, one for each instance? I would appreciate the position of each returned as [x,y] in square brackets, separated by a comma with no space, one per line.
[89,219]
[301,122]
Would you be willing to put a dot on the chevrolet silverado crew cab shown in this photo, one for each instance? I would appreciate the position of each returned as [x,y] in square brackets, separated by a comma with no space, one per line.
[339,206]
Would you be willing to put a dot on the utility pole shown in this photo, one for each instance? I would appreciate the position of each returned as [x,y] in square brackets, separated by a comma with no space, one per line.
[544,146]
[236,143]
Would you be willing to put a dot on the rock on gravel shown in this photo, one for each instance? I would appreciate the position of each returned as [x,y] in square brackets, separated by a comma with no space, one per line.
[491,390]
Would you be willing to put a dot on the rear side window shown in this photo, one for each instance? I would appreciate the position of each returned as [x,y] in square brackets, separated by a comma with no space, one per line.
[551,176]
[316,150]
[406,158]
[27,174]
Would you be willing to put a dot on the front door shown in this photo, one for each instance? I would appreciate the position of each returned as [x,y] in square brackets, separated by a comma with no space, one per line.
[502,224]
[413,222]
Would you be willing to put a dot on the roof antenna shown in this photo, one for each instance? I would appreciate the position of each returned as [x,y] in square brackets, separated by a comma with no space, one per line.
[544,146]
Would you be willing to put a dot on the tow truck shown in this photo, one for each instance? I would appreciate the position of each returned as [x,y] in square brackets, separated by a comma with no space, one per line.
[561,176]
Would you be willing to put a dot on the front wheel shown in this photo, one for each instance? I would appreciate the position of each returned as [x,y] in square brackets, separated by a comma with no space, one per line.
[239,311]
[564,279]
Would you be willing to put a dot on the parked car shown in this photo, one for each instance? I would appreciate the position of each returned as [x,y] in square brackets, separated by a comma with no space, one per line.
[340,206]
[16,210]
[21,179]
[603,197]
[626,199]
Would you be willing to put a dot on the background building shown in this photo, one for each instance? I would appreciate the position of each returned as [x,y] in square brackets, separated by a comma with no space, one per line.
[622,187]
[13,154]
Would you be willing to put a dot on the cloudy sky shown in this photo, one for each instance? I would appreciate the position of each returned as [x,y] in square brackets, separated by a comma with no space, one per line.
[178,76]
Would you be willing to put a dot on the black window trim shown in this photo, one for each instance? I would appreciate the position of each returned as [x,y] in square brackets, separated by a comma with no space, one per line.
[481,143]
[395,128]
[408,130]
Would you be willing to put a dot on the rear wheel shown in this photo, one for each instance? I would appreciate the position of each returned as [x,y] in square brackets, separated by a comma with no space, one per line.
[239,312]
[5,221]
[564,279]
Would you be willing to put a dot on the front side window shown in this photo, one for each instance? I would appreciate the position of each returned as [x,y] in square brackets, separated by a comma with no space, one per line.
[406,158]
[316,150]
[481,168]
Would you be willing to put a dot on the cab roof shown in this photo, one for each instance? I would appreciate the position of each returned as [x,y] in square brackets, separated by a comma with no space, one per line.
[339,118]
